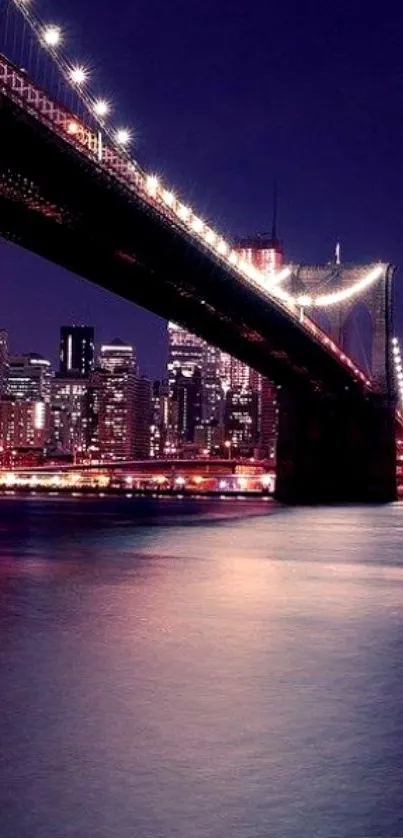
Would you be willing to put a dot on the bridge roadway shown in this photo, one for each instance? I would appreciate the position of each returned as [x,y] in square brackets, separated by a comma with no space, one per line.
[89,212]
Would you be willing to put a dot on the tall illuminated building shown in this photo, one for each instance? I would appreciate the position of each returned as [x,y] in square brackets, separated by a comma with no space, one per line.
[241,420]
[212,396]
[23,424]
[4,355]
[25,403]
[186,353]
[187,401]
[212,387]
[69,414]
[159,418]
[234,373]
[268,419]
[117,355]
[28,377]
[265,250]
[142,418]
[115,383]
[76,350]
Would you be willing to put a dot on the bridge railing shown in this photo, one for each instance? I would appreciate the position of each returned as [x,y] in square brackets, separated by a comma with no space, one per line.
[16,85]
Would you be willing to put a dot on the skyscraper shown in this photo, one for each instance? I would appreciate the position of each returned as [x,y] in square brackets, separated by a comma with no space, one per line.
[23,424]
[212,386]
[116,355]
[264,250]
[142,418]
[241,420]
[28,377]
[69,414]
[214,397]
[186,353]
[25,403]
[116,380]
[159,418]
[76,350]
[4,353]
[187,400]
[268,419]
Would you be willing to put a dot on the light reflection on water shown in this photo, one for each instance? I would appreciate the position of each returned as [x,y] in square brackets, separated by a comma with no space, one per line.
[189,669]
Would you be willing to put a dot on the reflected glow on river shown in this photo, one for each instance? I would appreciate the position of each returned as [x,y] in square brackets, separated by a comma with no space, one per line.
[199,669]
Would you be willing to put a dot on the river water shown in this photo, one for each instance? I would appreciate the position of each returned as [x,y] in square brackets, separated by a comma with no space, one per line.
[199,669]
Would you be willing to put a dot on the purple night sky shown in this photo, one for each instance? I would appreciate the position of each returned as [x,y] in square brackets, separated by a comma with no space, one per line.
[225,96]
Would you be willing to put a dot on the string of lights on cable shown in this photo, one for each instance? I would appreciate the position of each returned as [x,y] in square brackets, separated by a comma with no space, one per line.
[51,38]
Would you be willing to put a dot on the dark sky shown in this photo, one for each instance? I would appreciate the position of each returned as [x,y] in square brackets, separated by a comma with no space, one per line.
[224,96]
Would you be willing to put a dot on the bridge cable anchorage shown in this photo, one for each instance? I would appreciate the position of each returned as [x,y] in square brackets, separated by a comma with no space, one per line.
[108,148]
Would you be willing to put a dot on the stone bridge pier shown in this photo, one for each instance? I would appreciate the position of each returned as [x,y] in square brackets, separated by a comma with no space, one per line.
[335,450]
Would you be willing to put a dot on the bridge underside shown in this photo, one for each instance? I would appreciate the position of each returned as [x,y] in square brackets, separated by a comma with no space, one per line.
[56,202]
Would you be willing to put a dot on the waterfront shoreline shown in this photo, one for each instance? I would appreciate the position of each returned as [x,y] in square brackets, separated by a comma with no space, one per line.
[114,492]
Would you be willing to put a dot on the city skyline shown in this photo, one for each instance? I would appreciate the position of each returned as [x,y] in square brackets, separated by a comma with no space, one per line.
[96,405]
[323,136]
[83,201]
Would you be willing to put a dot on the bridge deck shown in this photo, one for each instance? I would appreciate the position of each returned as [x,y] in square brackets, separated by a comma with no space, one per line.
[95,215]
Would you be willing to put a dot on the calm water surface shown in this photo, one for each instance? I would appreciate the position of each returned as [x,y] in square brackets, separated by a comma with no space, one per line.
[184,669]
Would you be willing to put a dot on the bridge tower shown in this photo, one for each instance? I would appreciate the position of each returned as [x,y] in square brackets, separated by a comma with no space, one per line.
[376,300]
[336,448]
[342,449]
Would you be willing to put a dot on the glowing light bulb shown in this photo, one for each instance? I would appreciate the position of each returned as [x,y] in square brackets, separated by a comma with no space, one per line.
[197,224]
[183,212]
[78,75]
[152,185]
[123,136]
[101,107]
[168,197]
[52,36]
[210,237]
[304,300]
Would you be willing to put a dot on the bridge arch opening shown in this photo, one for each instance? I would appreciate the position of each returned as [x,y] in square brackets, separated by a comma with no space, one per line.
[357,336]
[323,321]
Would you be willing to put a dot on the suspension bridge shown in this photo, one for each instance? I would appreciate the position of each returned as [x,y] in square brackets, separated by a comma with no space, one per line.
[72,192]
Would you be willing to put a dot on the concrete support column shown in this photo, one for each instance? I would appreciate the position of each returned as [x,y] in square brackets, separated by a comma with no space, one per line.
[335,450]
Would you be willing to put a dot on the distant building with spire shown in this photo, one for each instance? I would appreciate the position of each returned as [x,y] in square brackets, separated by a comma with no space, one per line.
[264,250]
